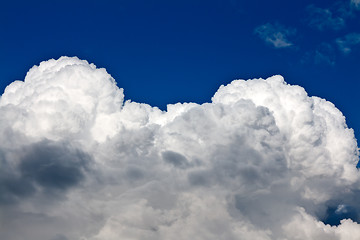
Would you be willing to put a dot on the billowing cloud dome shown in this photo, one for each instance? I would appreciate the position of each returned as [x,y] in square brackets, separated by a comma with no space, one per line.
[262,160]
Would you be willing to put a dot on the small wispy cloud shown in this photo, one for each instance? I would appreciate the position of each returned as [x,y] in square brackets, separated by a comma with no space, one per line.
[347,42]
[355,3]
[325,54]
[275,34]
[324,19]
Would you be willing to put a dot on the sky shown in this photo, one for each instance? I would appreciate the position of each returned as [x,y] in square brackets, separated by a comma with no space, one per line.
[127,121]
[165,52]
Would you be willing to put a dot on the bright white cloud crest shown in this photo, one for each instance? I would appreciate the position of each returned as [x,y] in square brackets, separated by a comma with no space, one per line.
[263,160]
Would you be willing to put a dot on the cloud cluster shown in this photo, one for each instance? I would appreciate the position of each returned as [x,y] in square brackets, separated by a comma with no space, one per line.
[262,160]
[335,16]
[346,43]
[323,19]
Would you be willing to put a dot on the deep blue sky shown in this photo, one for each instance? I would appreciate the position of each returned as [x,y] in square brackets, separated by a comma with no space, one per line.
[164,52]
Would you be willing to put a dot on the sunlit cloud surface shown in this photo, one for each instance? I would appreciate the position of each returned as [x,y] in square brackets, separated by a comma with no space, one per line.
[262,160]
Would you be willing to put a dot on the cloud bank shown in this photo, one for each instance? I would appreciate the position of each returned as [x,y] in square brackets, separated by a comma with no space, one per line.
[262,160]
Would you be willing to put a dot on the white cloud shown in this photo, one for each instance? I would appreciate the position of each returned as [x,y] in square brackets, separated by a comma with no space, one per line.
[263,160]
[304,226]
[275,34]
[346,43]
[324,19]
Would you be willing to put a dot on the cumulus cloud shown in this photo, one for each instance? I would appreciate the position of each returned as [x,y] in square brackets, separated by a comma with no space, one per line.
[276,34]
[347,42]
[262,160]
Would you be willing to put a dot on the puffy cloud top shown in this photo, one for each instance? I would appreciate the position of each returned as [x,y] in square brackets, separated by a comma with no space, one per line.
[62,97]
[263,160]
